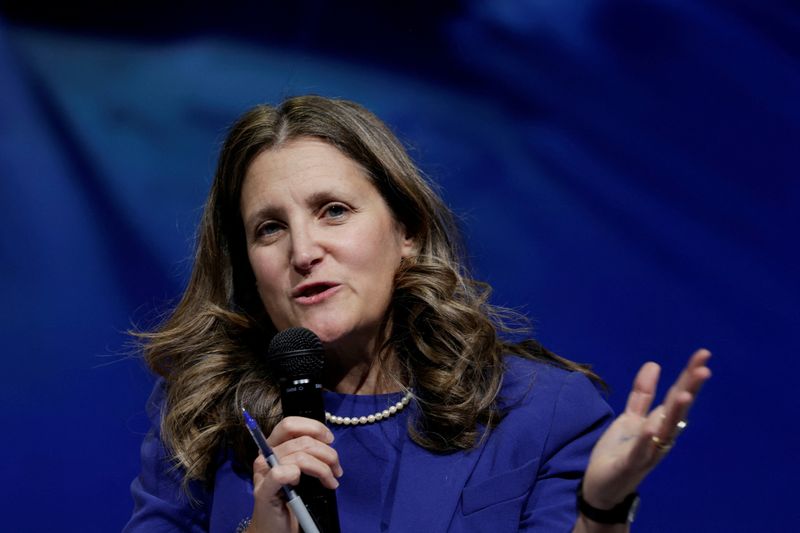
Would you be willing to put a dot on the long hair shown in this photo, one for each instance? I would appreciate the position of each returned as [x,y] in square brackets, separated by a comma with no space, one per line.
[445,335]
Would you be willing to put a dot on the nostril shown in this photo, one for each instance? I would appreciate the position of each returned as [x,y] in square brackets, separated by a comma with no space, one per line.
[305,262]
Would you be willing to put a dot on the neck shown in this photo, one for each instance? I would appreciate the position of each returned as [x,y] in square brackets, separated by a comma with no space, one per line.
[350,371]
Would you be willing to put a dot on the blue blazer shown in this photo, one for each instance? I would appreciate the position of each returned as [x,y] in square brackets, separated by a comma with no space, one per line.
[522,477]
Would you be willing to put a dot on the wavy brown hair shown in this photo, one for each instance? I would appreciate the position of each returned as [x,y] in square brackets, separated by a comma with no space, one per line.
[441,328]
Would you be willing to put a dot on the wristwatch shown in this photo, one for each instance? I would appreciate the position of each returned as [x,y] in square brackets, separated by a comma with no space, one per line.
[622,513]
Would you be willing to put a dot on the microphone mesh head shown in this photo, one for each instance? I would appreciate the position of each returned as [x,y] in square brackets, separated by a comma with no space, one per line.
[295,353]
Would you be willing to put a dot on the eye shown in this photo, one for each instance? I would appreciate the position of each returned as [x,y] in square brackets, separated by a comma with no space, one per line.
[268,229]
[335,211]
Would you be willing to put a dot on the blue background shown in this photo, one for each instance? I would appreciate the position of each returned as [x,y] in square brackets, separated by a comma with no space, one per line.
[626,173]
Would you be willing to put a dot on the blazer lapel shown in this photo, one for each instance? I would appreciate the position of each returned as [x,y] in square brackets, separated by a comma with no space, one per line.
[428,488]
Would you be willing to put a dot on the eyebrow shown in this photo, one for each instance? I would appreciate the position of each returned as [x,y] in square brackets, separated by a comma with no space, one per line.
[263,213]
[319,198]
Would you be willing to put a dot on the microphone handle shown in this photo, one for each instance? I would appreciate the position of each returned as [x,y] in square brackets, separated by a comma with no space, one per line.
[303,397]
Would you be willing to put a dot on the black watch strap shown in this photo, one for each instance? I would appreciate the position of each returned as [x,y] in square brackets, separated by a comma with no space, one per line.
[622,513]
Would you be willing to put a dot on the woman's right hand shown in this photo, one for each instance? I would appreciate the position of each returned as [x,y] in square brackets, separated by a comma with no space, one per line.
[302,445]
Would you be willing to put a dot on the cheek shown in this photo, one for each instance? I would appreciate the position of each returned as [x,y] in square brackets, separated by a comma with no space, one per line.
[267,274]
[379,257]
[269,290]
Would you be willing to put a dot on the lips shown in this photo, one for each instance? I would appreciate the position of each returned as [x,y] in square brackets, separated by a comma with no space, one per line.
[312,293]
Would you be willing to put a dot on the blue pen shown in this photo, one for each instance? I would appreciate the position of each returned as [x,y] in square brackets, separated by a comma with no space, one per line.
[292,499]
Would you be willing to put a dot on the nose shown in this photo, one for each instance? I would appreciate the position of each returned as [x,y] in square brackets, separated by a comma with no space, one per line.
[306,250]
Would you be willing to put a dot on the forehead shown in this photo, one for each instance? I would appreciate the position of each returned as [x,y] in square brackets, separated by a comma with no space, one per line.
[301,167]
[304,158]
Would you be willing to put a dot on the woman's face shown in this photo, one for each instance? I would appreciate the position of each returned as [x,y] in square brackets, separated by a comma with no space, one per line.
[322,243]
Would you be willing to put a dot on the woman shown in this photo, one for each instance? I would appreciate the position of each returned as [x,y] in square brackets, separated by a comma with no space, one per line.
[318,218]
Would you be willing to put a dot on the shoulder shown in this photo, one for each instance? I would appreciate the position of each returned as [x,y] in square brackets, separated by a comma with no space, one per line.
[161,502]
[528,466]
[551,419]
[527,381]
[540,398]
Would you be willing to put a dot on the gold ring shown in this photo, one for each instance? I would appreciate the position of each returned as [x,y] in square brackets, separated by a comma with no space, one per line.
[661,445]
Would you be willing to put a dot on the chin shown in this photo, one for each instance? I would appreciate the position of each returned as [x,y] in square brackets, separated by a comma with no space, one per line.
[329,334]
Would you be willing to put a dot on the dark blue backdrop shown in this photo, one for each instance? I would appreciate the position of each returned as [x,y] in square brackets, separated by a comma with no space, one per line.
[626,172]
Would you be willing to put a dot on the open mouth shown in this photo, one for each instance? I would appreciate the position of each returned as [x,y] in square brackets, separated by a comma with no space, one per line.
[315,292]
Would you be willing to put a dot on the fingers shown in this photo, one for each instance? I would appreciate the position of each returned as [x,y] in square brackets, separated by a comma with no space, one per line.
[309,446]
[288,474]
[695,373]
[682,395]
[665,423]
[305,444]
[639,438]
[644,455]
[270,512]
[317,462]
[644,389]
[302,446]
[267,482]
[298,426]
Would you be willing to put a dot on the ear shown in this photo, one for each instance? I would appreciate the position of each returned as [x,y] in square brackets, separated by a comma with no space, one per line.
[409,246]
[408,242]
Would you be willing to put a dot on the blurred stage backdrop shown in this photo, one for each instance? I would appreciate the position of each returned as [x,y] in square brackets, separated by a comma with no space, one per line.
[626,173]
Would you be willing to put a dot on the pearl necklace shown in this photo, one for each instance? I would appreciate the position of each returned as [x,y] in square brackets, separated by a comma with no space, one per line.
[369,419]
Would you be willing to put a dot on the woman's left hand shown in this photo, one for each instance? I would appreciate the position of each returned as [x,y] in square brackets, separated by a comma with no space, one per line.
[639,438]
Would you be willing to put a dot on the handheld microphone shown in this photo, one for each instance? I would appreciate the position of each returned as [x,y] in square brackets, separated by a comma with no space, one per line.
[295,356]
